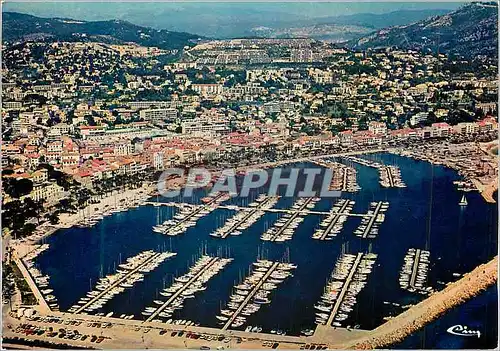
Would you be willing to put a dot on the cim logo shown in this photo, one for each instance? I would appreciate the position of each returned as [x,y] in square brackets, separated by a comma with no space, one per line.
[461,330]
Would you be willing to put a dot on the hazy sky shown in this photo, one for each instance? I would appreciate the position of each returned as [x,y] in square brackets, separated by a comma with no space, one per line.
[207,18]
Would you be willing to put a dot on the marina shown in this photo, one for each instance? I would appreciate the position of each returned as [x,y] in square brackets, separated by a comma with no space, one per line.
[256,287]
[285,226]
[330,226]
[185,287]
[125,277]
[291,309]
[347,280]
[413,276]
[245,218]
[344,177]
[369,226]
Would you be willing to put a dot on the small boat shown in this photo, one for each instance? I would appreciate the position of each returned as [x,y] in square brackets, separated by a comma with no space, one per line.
[463,201]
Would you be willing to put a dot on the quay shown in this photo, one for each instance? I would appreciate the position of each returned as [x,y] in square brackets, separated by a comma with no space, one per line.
[31,283]
[117,283]
[130,332]
[250,295]
[335,220]
[181,290]
[342,293]
[291,219]
[313,158]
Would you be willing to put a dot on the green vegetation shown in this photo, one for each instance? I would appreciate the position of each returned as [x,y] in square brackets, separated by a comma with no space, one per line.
[17,26]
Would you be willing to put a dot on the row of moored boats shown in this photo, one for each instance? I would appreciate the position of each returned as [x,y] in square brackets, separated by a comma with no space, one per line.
[411,280]
[254,291]
[129,273]
[42,281]
[185,287]
[344,178]
[284,228]
[370,223]
[390,177]
[339,287]
[245,218]
[185,218]
[333,223]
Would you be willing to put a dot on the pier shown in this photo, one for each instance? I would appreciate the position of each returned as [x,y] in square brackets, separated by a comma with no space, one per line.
[250,295]
[415,268]
[279,232]
[273,210]
[372,220]
[342,293]
[413,275]
[183,288]
[368,227]
[118,282]
[336,216]
[389,176]
[180,224]
[244,219]
[344,177]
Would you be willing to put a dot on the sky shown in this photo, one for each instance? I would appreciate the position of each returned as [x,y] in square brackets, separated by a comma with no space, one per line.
[214,18]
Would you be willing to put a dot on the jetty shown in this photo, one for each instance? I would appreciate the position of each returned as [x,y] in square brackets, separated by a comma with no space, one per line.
[343,292]
[140,262]
[245,218]
[333,223]
[250,295]
[368,227]
[413,275]
[344,177]
[284,227]
[210,262]
[390,176]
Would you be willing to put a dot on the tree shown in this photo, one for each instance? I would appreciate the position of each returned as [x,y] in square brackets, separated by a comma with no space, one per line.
[17,188]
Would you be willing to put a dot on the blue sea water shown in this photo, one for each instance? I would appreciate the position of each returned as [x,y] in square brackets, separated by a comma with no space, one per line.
[424,215]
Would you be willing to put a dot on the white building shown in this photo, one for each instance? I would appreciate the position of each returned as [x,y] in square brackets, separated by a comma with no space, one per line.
[206,126]
[158,115]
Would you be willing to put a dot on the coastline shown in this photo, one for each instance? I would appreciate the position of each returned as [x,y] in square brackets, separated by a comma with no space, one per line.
[486,186]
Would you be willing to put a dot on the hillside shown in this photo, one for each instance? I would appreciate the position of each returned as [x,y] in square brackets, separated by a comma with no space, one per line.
[22,27]
[469,31]
[345,27]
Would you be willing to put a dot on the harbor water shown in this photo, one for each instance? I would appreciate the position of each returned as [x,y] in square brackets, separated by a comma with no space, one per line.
[424,215]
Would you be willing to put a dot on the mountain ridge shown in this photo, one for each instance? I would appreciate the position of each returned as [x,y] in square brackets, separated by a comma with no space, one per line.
[18,26]
[469,31]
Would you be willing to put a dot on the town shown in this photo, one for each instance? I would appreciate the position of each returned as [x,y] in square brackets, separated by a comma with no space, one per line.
[89,128]
[83,119]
